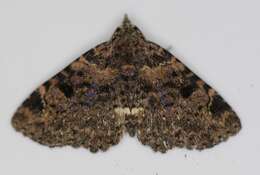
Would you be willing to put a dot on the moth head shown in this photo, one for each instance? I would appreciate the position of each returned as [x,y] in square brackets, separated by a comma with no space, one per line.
[127,32]
[127,39]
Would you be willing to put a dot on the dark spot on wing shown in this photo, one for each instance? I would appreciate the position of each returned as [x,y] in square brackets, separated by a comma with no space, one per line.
[47,85]
[34,102]
[66,89]
[218,105]
[124,78]
[104,89]
[188,90]
[173,74]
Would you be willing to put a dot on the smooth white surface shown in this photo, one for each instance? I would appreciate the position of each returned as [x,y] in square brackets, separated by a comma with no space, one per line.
[217,39]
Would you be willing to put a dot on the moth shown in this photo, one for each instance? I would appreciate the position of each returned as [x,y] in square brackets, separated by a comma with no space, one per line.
[127,84]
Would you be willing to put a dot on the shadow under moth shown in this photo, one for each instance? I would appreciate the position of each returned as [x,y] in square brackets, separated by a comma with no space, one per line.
[126,85]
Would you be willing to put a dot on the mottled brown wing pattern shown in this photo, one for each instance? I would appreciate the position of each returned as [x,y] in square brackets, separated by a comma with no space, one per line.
[127,84]
[182,110]
[73,108]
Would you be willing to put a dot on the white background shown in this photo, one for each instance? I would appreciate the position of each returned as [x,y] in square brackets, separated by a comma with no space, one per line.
[217,39]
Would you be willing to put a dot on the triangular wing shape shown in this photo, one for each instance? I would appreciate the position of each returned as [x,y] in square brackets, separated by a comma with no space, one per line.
[126,84]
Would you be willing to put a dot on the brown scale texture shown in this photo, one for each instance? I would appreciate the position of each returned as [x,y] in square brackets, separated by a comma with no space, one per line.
[127,84]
